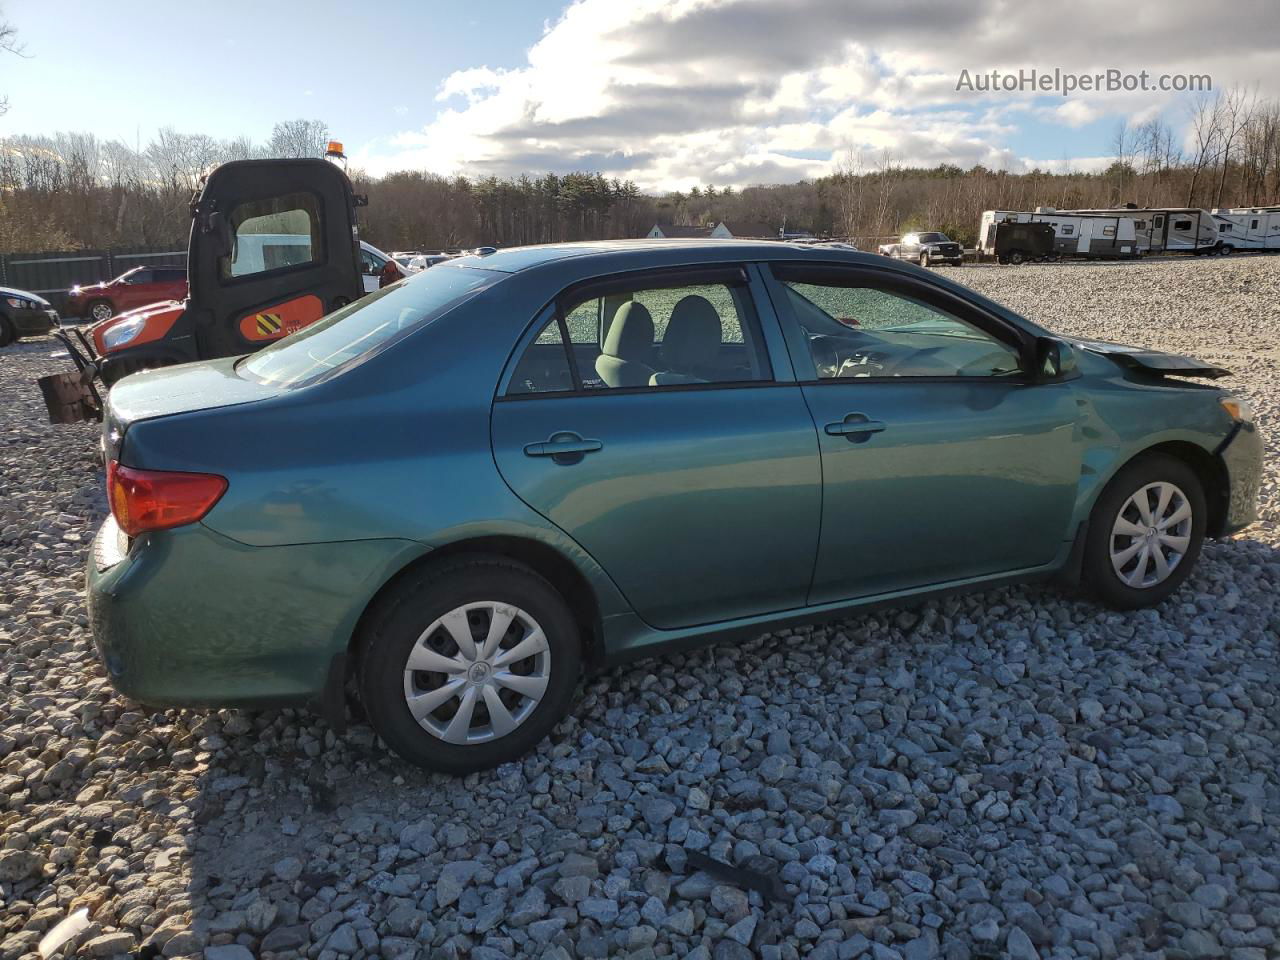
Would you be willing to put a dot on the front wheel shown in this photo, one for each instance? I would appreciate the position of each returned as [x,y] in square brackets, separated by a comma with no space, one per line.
[1017,257]
[1145,532]
[7,334]
[469,666]
[924,259]
[101,310]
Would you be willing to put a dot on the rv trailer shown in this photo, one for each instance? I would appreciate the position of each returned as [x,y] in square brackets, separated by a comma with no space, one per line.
[1167,229]
[1248,228]
[1091,236]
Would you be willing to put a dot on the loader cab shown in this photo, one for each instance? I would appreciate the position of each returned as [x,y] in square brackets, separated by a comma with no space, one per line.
[273,248]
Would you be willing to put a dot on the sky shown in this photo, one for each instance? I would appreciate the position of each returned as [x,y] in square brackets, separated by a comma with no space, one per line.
[668,93]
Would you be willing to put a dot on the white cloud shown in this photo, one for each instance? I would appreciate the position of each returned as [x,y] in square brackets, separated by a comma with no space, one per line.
[673,93]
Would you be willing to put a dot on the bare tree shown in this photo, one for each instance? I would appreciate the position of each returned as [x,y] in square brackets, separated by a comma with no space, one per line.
[1206,135]
[1235,114]
[9,44]
[298,138]
[1123,145]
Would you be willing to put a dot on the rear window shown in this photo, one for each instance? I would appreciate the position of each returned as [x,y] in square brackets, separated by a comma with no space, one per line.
[363,328]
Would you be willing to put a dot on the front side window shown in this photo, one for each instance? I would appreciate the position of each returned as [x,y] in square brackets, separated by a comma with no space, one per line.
[141,275]
[1068,229]
[854,330]
[652,336]
[1108,231]
[275,233]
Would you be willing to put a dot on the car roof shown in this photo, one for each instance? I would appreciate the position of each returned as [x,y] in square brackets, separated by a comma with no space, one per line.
[638,254]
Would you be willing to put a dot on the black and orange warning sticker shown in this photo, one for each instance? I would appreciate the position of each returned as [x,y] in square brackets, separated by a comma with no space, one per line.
[281,319]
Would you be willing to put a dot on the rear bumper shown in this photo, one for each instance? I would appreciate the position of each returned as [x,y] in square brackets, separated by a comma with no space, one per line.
[188,617]
[1242,456]
[33,323]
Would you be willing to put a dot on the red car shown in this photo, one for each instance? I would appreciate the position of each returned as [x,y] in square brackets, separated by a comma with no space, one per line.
[138,287]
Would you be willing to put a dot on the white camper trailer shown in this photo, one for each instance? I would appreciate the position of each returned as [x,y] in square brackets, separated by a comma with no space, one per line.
[1248,228]
[1075,235]
[1168,229]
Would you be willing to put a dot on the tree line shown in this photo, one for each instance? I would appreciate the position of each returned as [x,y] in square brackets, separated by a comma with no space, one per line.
[76,191]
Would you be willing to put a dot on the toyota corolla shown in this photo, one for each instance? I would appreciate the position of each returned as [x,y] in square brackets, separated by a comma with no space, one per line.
[454,494]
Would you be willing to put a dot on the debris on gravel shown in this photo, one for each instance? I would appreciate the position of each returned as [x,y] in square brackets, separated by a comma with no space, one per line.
[1019,773]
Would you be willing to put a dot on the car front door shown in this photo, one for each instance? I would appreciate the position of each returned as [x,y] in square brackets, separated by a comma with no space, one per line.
[670,441]
[942,459]
[135,291]
[371,270]
[909,248]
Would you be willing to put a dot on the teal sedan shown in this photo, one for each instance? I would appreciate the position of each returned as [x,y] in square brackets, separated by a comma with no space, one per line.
[452,495]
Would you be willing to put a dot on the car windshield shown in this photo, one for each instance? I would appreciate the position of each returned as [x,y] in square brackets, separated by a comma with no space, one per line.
[933,238]
[365,327]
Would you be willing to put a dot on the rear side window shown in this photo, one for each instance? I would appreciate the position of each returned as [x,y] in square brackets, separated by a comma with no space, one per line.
[364,327]
[274,233]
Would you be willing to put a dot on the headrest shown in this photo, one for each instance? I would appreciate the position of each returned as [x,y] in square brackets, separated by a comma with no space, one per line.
[693,334]
[630,336]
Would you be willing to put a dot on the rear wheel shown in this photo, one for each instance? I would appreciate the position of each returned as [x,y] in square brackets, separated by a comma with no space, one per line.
[100,310]
[469,666]
[1145,532]
[1017,257]
[7,334]
[1227,250]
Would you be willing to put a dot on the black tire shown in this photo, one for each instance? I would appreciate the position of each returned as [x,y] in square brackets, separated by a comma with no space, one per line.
[1017,257]
[107,308]
[410,607]
[7,334]
[1098,571]
[924,259]
[1227,250]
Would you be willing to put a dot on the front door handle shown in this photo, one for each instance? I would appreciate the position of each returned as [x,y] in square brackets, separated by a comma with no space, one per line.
[855,427]
[565,447]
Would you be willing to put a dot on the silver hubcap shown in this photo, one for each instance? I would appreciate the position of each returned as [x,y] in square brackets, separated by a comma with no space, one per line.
[101,311]
[477,673]
[1151,535]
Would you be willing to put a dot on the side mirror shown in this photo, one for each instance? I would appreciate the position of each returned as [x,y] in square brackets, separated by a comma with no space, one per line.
[1054,359]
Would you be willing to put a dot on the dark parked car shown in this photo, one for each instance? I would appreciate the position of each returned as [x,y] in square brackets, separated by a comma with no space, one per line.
[138,287]
[925,249]
[24,314]
[455,491]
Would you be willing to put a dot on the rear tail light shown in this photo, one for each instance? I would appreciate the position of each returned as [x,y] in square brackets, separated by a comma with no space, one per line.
[143,500]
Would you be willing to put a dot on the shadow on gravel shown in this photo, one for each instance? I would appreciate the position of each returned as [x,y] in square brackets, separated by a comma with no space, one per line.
[982,776]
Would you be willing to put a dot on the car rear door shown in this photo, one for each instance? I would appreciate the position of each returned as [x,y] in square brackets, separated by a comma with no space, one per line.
[697,488]
[273,249]
[929,477]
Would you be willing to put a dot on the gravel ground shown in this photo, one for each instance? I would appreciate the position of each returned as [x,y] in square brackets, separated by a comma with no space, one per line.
[1018,774]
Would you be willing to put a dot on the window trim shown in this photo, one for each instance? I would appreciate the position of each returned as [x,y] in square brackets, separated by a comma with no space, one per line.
[730,274]
[891,281]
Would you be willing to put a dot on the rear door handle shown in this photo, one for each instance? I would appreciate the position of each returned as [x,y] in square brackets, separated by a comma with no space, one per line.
[856,427]
[565,447]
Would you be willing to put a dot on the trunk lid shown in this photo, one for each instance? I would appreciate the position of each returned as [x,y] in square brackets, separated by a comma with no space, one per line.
[172,390]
